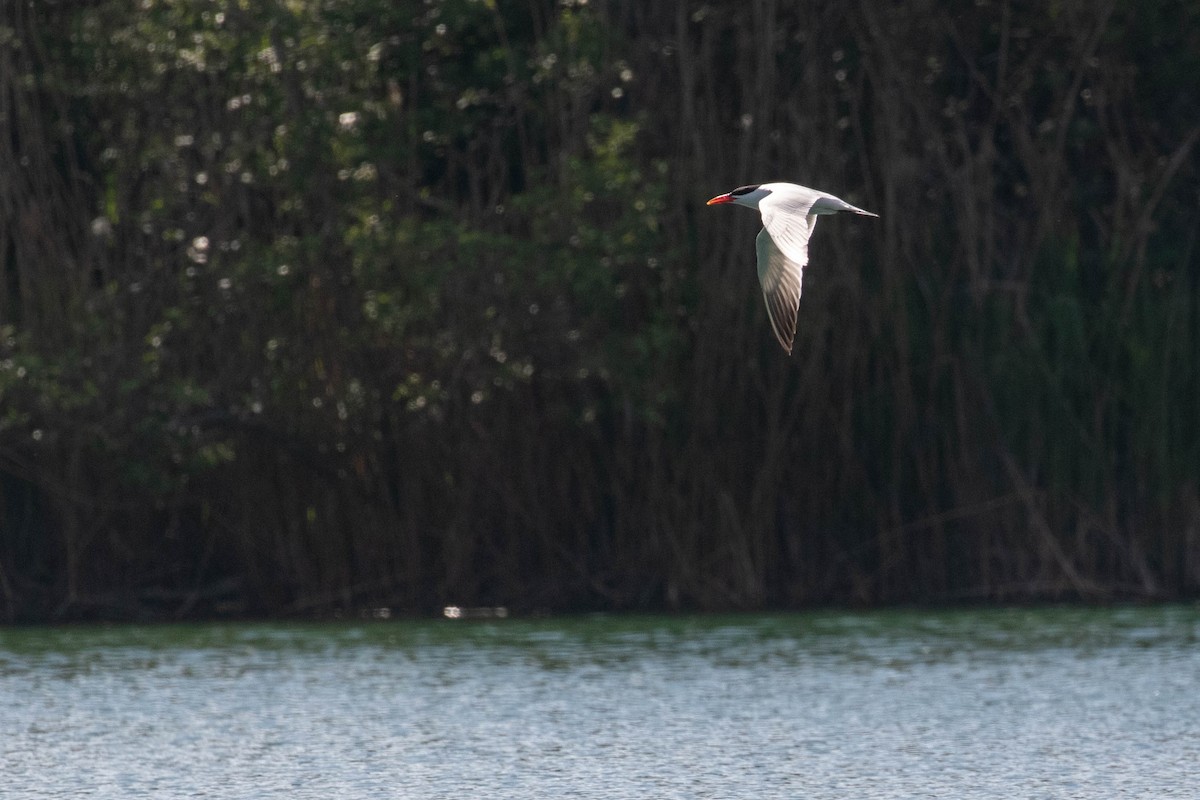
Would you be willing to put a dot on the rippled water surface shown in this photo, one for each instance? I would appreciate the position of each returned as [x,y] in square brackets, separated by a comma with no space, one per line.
[982,704]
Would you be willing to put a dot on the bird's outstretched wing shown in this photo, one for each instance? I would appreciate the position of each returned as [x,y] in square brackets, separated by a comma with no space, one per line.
[783,254]
[781,278]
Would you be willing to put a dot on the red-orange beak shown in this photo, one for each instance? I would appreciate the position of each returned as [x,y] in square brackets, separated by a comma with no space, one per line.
[721,198]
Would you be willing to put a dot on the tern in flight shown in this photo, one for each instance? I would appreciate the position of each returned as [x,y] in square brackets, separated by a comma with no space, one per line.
[789,215]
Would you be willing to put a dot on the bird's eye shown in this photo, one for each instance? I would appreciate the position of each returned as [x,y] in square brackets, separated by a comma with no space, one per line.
[741,190]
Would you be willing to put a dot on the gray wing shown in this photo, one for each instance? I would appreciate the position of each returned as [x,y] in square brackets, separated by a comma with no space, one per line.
[781,278]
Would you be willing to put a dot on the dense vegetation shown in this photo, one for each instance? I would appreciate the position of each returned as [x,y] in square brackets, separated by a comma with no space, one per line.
[314,305]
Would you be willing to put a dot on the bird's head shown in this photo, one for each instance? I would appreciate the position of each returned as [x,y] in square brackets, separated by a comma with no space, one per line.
[748,196]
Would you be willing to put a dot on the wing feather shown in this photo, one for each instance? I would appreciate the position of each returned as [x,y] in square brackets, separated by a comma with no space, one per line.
[781,278]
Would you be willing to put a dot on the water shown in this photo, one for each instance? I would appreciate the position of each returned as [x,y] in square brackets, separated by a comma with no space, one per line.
[972,704]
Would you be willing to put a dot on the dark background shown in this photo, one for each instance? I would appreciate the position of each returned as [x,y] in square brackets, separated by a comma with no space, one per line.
[312,307]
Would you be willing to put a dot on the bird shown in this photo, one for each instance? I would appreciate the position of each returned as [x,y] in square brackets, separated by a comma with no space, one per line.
[789,215]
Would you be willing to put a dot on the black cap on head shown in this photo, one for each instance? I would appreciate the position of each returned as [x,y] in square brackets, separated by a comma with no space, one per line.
[741,190]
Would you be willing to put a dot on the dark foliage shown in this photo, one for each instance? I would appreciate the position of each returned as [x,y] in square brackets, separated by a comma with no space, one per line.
[334,304]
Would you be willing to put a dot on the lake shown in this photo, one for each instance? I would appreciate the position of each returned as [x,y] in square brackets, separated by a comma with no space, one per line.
[1009,703]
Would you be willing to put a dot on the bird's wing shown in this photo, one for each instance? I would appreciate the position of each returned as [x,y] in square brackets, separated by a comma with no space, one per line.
[788,219]
[780,277]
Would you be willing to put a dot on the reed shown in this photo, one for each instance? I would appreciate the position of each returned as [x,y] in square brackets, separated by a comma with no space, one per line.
[309,308]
